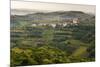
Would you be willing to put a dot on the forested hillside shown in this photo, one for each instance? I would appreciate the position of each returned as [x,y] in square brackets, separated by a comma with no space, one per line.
[42,38]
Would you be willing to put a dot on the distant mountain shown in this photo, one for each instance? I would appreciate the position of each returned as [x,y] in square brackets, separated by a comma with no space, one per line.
[29,14]
[25,11]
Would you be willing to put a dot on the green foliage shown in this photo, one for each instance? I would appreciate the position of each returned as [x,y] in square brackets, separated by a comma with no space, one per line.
[22,57]
[42,55]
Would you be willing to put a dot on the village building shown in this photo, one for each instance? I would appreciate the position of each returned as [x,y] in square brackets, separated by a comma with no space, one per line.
[75,20]
[53,25]
[34,25]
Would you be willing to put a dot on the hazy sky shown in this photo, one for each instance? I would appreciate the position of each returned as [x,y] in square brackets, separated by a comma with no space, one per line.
[51,6]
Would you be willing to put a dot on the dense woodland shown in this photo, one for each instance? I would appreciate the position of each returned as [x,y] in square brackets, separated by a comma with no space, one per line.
[47,45]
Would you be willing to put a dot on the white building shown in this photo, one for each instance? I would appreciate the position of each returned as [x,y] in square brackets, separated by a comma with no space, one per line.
[34,25]
[53,25]
[64,24]
[75,20]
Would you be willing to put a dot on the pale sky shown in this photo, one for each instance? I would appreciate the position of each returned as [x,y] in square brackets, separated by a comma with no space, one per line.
[52,6]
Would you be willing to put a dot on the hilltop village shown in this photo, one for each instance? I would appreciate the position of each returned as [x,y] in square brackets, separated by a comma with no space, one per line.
[68,21]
